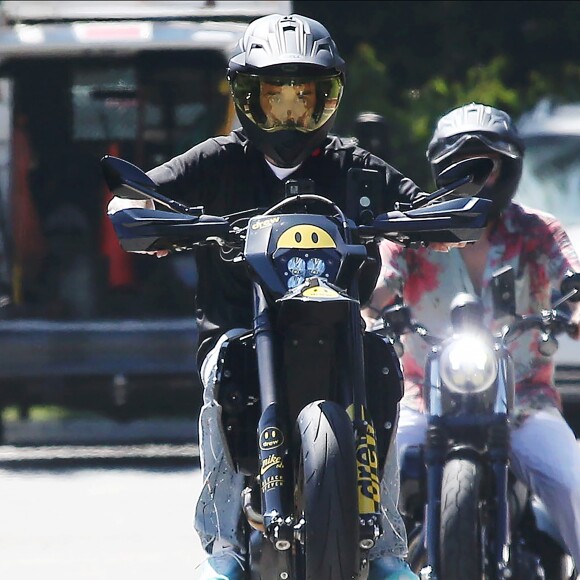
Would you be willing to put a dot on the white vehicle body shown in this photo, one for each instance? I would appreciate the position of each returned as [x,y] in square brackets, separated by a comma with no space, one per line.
[79,80]
[551,182]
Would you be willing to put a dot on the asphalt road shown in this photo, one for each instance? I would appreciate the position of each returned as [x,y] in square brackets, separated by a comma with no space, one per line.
[115,523]
[98,512]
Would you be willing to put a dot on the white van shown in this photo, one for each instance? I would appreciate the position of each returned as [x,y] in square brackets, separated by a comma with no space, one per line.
[551,182]
[89,323]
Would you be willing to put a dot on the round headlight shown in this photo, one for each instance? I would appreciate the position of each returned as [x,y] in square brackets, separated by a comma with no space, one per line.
[315,267]
[468,365]
[296,266]
[294,281]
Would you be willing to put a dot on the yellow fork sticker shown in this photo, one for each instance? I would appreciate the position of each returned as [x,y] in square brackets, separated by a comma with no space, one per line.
[369,496]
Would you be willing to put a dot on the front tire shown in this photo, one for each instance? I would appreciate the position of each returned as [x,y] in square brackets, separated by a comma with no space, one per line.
[326,492]
[460,532]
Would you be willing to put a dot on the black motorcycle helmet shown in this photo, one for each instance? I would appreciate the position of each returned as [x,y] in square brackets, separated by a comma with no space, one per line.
[286,80]
[473,130]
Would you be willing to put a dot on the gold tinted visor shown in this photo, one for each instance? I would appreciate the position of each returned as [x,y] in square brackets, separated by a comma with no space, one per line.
[282,103]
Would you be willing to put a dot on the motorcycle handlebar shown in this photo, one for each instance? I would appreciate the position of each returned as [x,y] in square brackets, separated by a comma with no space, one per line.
[456,220]
[553,321]
[141,229]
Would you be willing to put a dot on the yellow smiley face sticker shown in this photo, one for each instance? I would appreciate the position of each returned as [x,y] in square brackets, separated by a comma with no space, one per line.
[305,237]
[319,292]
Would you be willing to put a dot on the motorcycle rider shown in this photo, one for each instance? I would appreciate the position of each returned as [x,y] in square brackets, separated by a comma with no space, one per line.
[286,79]
[544,451]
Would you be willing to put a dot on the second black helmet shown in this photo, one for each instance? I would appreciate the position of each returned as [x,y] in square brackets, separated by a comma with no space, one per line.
[480,130]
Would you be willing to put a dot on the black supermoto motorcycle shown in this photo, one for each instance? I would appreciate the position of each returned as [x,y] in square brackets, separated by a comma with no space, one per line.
[467,516]
[307,396]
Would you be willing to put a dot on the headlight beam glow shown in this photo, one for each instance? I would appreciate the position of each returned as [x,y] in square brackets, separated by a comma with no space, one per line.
[468,365]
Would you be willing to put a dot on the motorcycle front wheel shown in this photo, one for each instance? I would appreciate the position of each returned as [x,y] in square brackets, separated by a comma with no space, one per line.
[326,493]
[460,531]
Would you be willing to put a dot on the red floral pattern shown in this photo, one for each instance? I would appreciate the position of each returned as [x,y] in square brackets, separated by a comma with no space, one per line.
[423,276]
[535,245]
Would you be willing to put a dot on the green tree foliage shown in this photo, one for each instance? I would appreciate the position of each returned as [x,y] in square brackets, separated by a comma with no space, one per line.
[413,61]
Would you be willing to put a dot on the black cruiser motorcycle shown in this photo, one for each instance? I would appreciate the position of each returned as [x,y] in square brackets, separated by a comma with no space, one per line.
[307,396]
[467,517]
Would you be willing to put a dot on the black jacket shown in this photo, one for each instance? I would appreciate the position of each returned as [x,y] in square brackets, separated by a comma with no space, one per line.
[228,174]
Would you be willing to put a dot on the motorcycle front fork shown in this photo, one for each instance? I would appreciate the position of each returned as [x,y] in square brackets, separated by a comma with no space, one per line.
[435,450]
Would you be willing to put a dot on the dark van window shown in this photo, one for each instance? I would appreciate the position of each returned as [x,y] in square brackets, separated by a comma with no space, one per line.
[104,104]
[146,109]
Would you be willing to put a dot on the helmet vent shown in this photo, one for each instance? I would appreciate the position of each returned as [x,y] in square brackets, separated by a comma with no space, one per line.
[291,41]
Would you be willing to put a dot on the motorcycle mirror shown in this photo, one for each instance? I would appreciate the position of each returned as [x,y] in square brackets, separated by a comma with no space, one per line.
[127,181]
[462,179]
[571,284]
[503,291]
[118,172]
[477,168]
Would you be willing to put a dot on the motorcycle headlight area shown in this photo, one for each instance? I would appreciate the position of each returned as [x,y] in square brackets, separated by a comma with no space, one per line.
[468,365]
[295,269]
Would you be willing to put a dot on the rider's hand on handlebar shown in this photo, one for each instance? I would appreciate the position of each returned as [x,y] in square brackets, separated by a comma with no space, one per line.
[117,203]
[371,317]
[158,253]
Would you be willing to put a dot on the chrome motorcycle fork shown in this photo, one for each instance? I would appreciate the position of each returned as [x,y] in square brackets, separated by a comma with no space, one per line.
[498,445]
[498,441]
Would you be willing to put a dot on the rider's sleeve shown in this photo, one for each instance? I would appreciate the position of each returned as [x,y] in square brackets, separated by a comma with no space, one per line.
[398,187]
[561,254]
[563,258]
[391,279]
[409,190]
[187,177]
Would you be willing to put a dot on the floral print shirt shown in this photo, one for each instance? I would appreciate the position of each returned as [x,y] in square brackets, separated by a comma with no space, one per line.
[540,252]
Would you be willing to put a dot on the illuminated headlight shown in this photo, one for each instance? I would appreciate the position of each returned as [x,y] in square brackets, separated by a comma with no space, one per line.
[294,281]
[315,267]
[297,267]
[298,270]
[468,365]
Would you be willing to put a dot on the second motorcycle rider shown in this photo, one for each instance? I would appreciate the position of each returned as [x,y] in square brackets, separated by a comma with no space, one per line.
[544,451]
